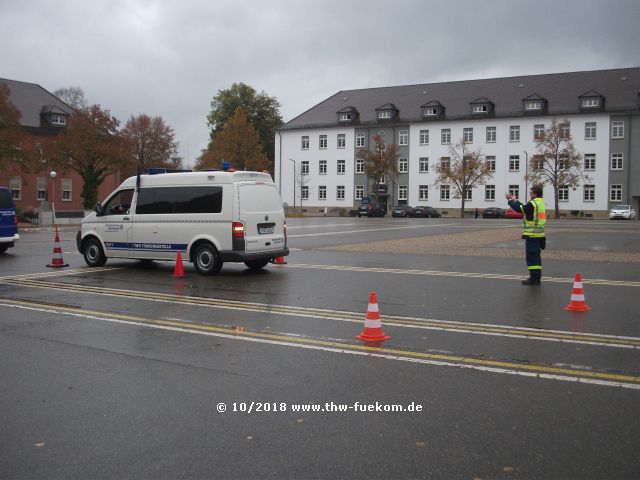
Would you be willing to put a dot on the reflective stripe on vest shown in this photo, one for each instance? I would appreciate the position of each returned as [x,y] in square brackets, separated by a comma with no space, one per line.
[535,228]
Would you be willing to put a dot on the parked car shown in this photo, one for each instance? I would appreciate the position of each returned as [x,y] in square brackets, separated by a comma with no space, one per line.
[401,211]
[511,213]
[493,212]
[622,211]
[425,212]
[372,210]
[8,220]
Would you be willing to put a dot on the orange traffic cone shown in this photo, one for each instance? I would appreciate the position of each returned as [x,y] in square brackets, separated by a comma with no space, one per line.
[57,260]
[372,327]
[178,271]
[280,261]
[577,303]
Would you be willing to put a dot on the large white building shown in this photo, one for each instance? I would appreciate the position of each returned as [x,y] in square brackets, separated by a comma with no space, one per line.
[317,169]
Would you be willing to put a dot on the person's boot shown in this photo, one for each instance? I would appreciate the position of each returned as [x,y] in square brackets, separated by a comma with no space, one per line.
[534,279]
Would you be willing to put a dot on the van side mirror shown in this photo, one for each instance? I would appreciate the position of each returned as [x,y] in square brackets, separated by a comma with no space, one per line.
[98,209]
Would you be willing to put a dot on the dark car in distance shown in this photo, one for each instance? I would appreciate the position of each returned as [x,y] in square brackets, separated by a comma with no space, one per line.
[494,212]
[402,211]
[372,210]
[425,212]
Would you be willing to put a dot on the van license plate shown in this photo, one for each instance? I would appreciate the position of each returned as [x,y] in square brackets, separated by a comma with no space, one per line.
[264,230]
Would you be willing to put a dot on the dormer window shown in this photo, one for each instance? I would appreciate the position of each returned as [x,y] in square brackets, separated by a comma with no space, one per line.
[482,106]
[480,109]
[345,117]
[58,120]
[430,112]
[533,106]
[385,115]
[54,116]
[591,101]
[387,112]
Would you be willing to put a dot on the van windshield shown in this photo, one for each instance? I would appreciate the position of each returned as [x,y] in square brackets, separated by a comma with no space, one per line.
[259,198]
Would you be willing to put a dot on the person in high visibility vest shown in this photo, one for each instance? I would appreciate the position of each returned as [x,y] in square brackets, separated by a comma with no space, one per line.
[534,218]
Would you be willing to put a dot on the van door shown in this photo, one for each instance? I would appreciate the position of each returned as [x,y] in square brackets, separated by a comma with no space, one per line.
[260,208]
[115,224]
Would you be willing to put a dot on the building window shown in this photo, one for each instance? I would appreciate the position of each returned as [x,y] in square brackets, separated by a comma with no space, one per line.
[322,167]
[402,192]
[360,140]
[537,162]
[589,194]
[304,167]
[615,193]
[66,189]
[342,140]
[617,161]
[41,189]
[590,102]
[58,119]
[563,193]
[322,192]
[424,137]
[403,137]
[467,135]
[532,106]
[305,142]
[342,167]
[359,192]
[617,129]
[403,165]
[491,163]
[491,134]
[468,194]
[423,192]
[304,192]
[589,161]
[359,165]
[430,112]
[514,133]
[565,130]
[323,141]
[538,131]
[480,109]
[424,164]
[445,192]
[445,163]
[514,190]
[340,192]
[385,114]
[514,163]
[345,117]
[590,130]
[490,192]
[15,185]
[445,136]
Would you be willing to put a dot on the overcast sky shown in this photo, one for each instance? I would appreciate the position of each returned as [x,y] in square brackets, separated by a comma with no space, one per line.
[170,58]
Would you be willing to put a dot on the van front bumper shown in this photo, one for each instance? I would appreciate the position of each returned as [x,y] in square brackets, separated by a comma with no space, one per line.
[231,256]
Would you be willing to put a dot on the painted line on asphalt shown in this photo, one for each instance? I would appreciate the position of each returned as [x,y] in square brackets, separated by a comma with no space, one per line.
[538,371]
[346,316]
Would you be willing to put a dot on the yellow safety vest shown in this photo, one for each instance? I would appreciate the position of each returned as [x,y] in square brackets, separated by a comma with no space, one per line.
[535,228]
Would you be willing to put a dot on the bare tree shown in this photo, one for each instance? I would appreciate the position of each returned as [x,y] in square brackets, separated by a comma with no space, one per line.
[464,170]
[72,96]
[380,163]
[557,162]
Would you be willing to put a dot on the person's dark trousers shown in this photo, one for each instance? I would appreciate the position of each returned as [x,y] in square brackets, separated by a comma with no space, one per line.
[534,260]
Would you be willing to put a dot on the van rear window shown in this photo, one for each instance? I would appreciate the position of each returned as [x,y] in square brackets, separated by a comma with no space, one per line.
[5,199]
[168,200]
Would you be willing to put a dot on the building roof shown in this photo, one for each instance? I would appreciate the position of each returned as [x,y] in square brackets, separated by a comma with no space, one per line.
[620,88]
[32,100]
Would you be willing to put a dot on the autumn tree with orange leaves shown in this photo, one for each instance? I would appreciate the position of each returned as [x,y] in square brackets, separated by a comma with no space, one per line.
[14,148]
[239,144]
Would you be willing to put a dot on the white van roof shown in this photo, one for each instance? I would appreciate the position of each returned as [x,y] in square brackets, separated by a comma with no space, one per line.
[197,178]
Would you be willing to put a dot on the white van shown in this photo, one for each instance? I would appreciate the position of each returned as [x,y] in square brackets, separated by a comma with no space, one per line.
[209,217]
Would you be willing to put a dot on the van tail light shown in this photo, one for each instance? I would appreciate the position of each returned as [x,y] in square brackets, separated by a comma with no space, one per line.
[15,219]
[237,229]
[285,227]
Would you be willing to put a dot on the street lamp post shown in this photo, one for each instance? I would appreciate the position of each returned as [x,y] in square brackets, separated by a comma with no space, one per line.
[53,195]
[526,175]
[294,184]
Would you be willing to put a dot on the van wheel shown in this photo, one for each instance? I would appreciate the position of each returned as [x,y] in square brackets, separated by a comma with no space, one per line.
[3,248]
[207,260]
[93,254]
[256,264]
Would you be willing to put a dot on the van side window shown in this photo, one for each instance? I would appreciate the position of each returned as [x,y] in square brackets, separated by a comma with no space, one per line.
[167,200]
[119,204]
